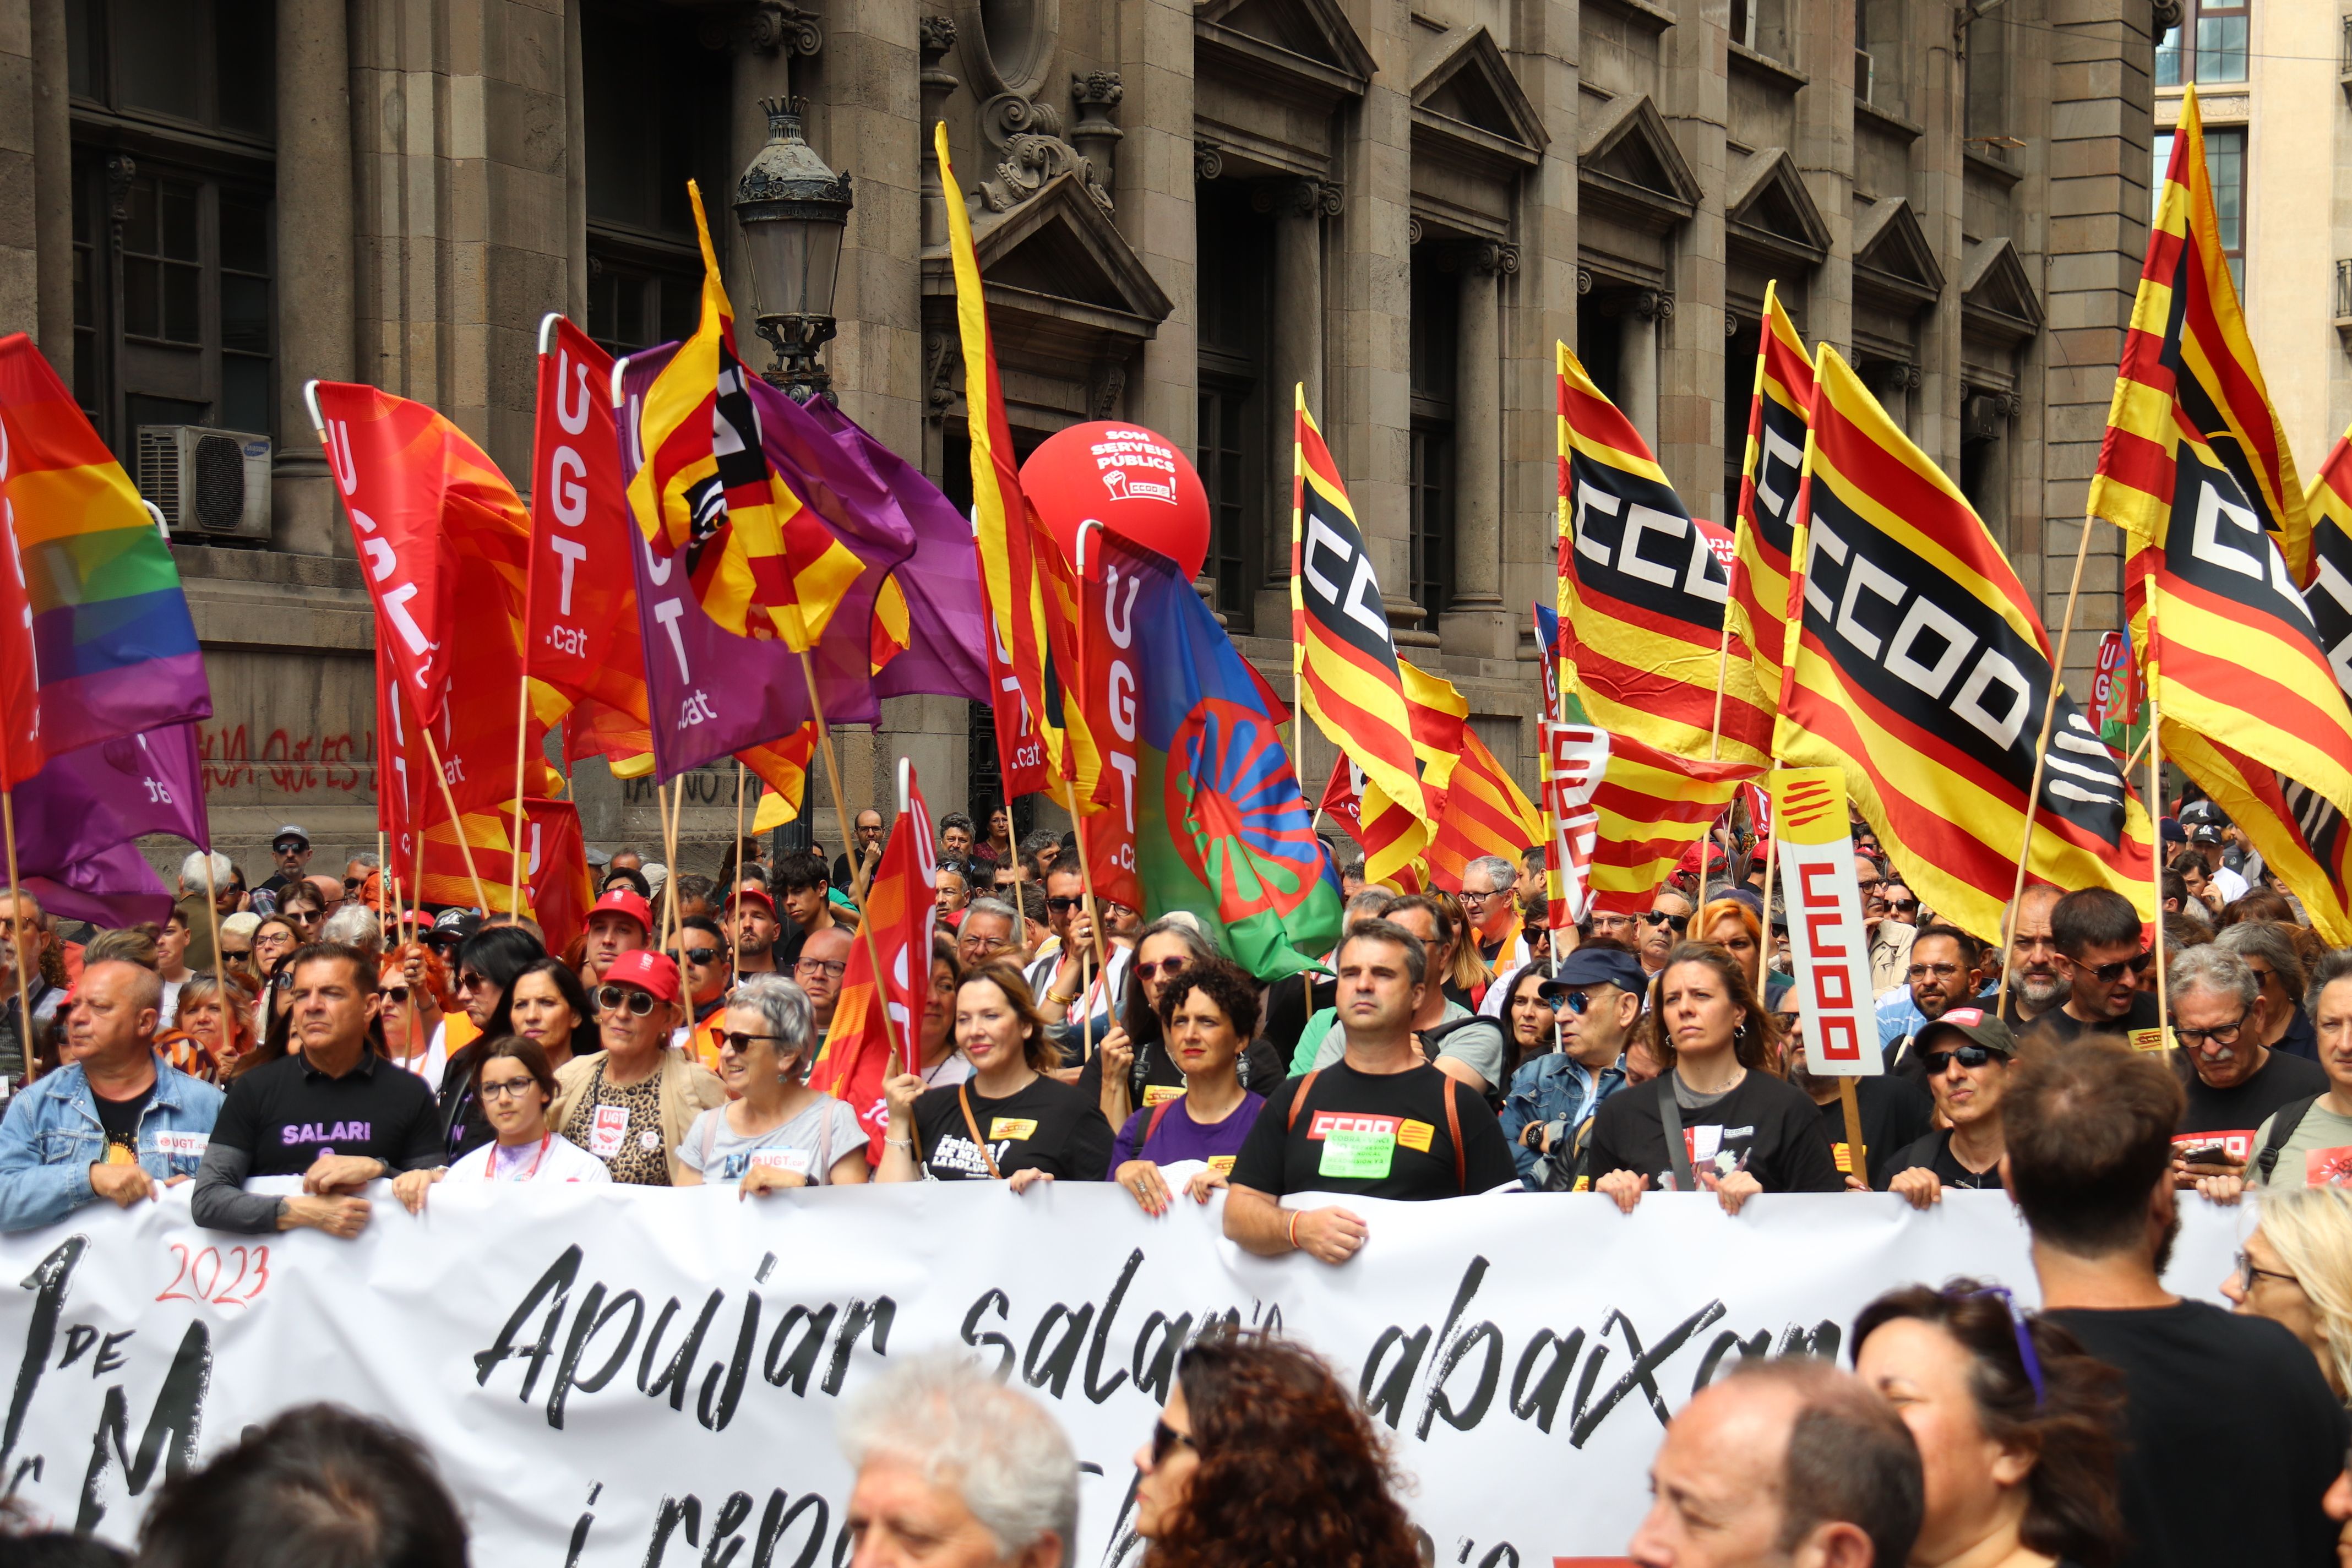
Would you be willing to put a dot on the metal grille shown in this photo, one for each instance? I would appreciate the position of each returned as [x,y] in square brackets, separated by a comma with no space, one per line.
[220,483]
[159,472]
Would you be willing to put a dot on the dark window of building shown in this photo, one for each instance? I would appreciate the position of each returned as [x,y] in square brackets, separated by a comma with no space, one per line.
[1761,26]
[2209,45]
[1436,343]
[205,65]
[1740,359]
[656,117]
[1989,131]
[1240,407]
[1878,74]
[1598,344]
[2225,168]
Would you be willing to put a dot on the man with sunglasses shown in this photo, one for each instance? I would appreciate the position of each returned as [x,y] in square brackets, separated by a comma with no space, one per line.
[2100,950]
[1064,967]
[702,962]
[1596,999]
[2236,1083]
[630,1103]
[1966,1053]
[1663,927]
[291,849]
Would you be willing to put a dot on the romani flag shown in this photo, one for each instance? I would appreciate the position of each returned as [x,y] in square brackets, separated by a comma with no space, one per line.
[1921,670]
[1486,813]
[1016,550]
[1396,842]
[859,1050]
[2195,471]
[761,563]
[1642,594]
[1348,678]
[1758,605]
[1649,808]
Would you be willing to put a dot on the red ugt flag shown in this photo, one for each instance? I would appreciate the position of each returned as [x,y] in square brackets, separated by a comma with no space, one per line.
[858,1053]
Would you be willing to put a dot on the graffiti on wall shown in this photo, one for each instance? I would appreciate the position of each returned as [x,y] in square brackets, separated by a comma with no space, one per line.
[288,762]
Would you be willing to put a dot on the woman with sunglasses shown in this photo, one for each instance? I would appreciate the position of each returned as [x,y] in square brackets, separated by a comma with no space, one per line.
[409,983]
[777,1131]
[304,909]
[1134,1062]
[1967,1054]
[1207,1014]
[1262,1456]
[2296,1270]
[631,1103]
[488,962]
[1010,1121]
[2016,1425]
[517,1087]
[1717,1118]
[547,1003]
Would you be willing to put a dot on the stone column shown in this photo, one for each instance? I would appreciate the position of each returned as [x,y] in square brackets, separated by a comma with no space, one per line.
[1475,623]
[1638,358]
[1298,207]
[315,279]
[52,187]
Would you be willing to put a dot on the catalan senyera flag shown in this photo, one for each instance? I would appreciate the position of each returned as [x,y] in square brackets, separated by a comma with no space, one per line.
[761,563]
[2194,471]
[1013,545]
[1758,610]
[1642,594]
[93,623]
[1921,668]
[878,1015]
[1349,679]
[1396,842]
[1486,813]
[1649,807]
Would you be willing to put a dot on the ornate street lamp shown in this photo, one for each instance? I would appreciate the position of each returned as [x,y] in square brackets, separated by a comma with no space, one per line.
[794,211]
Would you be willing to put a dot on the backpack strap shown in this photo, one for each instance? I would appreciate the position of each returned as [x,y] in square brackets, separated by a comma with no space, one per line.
[2283,1121]
[1299,1101]
[1670,1119]
[964,1099]
[1151,1127]
[1454,1130]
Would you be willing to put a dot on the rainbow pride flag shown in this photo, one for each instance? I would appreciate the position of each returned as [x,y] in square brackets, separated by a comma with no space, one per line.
[114,650]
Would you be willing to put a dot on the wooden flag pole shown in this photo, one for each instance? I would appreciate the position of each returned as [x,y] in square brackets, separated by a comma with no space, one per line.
[457,822]
[1857,1154]
[383,878]
[17,945]
[2042,746]
[667,807]
[841,818]
[523,735]
[735,858]
[220,963]
[2139,751]
[2156,856]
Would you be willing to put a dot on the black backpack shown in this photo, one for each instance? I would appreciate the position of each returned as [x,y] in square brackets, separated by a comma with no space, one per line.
[2283,1121]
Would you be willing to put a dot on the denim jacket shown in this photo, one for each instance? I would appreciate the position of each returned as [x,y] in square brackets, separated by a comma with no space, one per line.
[1555,1088]
[52,1136]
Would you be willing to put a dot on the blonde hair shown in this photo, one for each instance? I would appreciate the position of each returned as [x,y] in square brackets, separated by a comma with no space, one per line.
[2311,1229]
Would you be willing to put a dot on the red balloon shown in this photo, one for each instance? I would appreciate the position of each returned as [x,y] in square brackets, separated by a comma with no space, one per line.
[1135,482]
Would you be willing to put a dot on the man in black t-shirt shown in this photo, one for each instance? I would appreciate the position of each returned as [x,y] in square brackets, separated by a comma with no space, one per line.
[2231,1436]
[331,1110]
[1965,1056]
[1893,1111]
[1380,1124]
[2233,1081]
[2097,934]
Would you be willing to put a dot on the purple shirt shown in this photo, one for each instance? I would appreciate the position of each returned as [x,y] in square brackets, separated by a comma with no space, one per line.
[1179,1137]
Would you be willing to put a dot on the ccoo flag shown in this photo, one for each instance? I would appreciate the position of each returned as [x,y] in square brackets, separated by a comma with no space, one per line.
[1220,828]
[2194,471]
[1641,593]
[1920,668]
[1759,606]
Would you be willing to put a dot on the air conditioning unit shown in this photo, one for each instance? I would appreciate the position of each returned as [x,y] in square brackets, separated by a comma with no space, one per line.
[208,484]
[1866,76]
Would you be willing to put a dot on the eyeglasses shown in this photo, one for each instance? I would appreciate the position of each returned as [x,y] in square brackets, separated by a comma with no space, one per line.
[1063,906]
[2108,973]
[1469,896]
[986,943]
[1575,1002]
[1165,1438]
[1660,917]
[734,1042]
[509,1088]
[2248,1274]
[1170,968]
[1905,905]
[469,980]
[615,998]
[350,884]
[831,968]
[289,847]
[1966,1056]
[2227,1035]
[2025,1354]
[1934,970]
[703,955]
[394,993]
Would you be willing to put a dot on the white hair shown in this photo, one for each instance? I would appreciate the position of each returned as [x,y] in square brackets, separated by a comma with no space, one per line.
[354,925]
[192,871]
[1002,1450]
[785,1007]
[1499,872]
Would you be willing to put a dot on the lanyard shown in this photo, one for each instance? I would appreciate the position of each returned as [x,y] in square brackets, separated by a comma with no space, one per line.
[545,1143]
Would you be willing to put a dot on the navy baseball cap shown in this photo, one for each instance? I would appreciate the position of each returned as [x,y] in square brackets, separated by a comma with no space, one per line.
[1595,966]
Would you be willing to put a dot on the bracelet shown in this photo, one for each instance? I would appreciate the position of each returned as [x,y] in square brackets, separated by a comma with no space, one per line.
[1294,1229]
[1059,1000]
[899,1142]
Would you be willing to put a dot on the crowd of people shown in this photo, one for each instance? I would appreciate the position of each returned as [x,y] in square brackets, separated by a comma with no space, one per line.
[1451,1043]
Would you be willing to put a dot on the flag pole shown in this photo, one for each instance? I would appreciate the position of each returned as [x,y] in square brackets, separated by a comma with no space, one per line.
[2156,855]
[523,735]
[2042,745]
[456,824]
[220,961]
[841,819]
[1077,822]
[734,859]
[17,941]
[1298,679]
[668,805]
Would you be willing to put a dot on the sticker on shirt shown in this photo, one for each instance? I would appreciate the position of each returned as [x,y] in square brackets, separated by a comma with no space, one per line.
[797,1161]
[1415,1135]
[650,1140]
[2233,1147]
[183,1145]
[1844,1156]
[1011,1129]
[2145,1039]
[1222,1163]
[1159,1094]
[2327,1167]
[1358,1154]
[606,1133]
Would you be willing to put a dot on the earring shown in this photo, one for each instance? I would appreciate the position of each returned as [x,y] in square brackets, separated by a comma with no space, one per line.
[1740,1032]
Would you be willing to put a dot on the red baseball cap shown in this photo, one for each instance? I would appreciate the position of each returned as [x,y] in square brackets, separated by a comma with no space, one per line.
[622,901]
[651,972]
[757,895]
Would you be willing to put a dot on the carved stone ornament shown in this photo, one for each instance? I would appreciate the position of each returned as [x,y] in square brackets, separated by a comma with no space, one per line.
[942,360]
[1494,255]
[1008,48]
[1208,160]
[936,35]
[1731,323]
[1297,197]
[2164,16]
[764,27]
[1583,281]
[1412,231]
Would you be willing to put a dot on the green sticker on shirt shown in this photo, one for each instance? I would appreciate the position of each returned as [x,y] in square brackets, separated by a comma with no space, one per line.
[1359,1153]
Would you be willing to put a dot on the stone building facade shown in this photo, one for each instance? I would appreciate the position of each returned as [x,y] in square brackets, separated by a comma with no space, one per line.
[1185,208]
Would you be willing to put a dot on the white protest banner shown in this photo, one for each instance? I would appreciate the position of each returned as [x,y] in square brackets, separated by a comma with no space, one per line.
[612,1377]
[1827,937]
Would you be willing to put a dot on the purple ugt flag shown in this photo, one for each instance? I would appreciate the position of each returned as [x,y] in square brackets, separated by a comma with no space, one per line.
[710,693]
[77,820]
[945,617]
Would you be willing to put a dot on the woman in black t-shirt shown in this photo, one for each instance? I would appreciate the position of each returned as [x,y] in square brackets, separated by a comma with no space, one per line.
[1741,1130]
[1009,1121]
